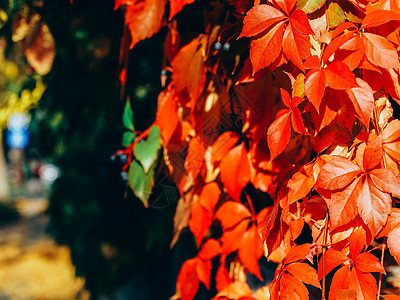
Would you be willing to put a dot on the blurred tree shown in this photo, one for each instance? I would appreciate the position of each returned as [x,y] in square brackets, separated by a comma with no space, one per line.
[26,54]
[114,241]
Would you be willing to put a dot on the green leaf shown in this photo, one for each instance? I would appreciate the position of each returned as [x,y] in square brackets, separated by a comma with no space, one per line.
[146,151]
[335,15]
[140,182]
[127,118]
[309,6]
[128,138]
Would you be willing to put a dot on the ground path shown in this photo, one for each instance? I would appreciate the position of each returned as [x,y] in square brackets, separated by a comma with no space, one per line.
[32,265]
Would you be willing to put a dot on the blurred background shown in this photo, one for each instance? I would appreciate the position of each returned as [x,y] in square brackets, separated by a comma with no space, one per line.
[69,226]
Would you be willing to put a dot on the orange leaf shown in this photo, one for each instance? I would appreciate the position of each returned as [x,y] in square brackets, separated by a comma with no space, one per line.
[363,283]
[251,250]
[210,249]
[266,50]
[314,87]
[379,17]
[231,213]
[300,22]
[342,204]
[200,221]
[278,135]
[339,77]
[357,241]
[189,72]
[297,253]
[337,174]
[386,181]
[363,101]
[340,281]
[195,157]
[333,258]
[374,206]
[259,18]
[203,269]
[366,263]
[223,144]
[209,196]
[296,46]
[167,118]
[380,51]
[143,18]
[304,272]
[235,171]
[188,281]
[292,288]
[175,6]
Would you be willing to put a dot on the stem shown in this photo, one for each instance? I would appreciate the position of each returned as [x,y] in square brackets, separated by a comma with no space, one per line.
[323,256]
[378,295]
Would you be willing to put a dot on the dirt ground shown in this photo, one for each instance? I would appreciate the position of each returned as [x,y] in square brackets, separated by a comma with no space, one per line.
[32,265]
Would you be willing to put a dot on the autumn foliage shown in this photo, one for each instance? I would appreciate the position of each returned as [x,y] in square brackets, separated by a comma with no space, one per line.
[276,125]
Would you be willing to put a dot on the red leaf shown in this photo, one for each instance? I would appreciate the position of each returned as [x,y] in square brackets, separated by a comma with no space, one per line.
[231,213]
[223,144]
[351,52]
[337,174]
[296,46]
[210,249]
[363,101]
[333,258]
[340,281]
[203,269]
[299,21]
[380,51]
[357,241]
[195,157]
[222,279]
[251,250]
[286,5]
[339,77]
[167,118]
[296,227]
[364,284]
[297,121]
[343,205]
[373,153]
[143,18]
[393,243]
[175,6]
[297,253]
[374,206]
[367,263]
[304,272]
[278,135]
[188,281]
[266,50]
[386,181]
[235,171]
[379,17]
[346,294]
[200,221]
[232,239]
[189,72]
[299,186]
[259,18]
[292,288]
[209,196]
[314,87]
